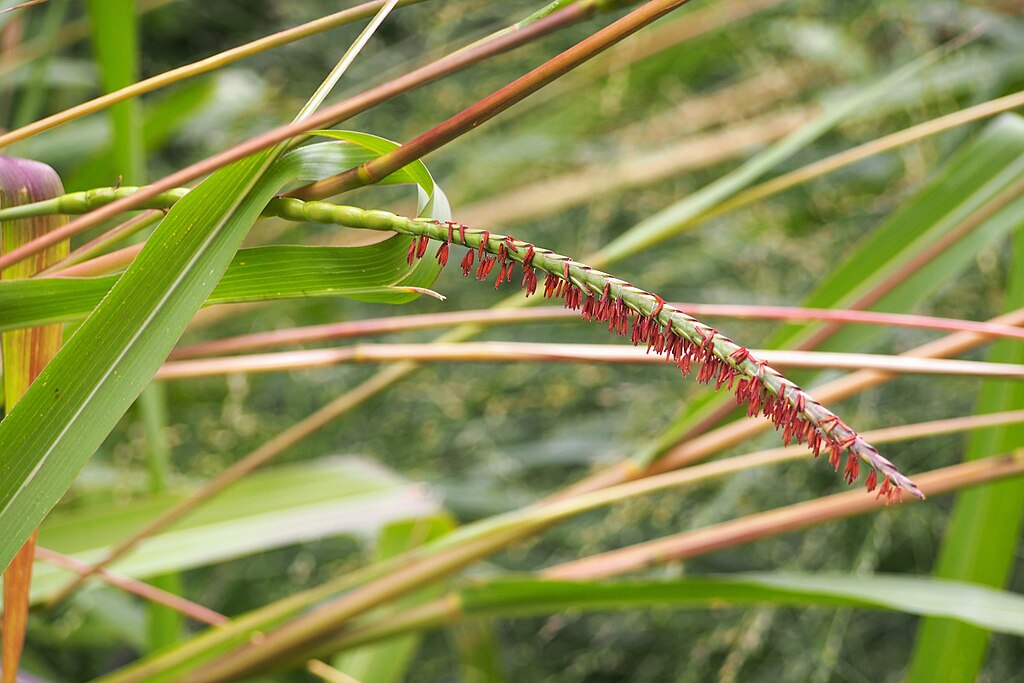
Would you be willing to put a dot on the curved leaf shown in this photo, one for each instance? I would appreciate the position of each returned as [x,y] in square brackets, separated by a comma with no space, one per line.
[86,389]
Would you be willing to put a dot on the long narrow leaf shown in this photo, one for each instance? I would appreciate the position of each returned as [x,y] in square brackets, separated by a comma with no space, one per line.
[984,531]
[992,609]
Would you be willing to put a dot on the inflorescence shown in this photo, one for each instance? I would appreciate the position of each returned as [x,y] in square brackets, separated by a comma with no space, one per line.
[684,341]
[627,310]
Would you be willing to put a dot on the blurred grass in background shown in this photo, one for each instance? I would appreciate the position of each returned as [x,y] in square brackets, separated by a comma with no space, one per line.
[492,438]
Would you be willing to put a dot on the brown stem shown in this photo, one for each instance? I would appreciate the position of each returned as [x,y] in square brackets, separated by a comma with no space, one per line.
[203,615]
[377,169]
[328,116]
[447,610]
[779,521]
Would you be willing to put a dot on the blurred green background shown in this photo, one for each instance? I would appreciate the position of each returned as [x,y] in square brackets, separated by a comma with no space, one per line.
[489,438]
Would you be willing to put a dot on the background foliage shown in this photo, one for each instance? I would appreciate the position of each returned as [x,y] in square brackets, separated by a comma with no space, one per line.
[485,439]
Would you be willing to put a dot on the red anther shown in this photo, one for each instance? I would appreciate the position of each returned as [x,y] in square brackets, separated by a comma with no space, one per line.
[550,283]
[829,423]
[529,280]
[467,262]
[800,403]
[412,253]
[565,269]
[885,490]
[707,341]
[872,481]
[462,233]
[442,254]
[834,455]
[451,231]
[852,469]
[607,294]
[573,297]
[484,268]
[485,238]
[740,354]
[421,248]
[511,243]
[659,307]
[587,312]
[814,442]
[528,256]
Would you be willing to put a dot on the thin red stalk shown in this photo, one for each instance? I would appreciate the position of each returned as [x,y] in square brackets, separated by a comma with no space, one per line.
[102,265]
[326,117]
[145,591]
[377,169]
[523,352]
[91,249]
[426,321]
[774,522]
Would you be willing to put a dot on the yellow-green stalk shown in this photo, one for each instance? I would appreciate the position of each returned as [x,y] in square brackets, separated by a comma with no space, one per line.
[25,353]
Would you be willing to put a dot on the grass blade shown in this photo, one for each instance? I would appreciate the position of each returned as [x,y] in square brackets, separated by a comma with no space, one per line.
[915,595]
[984,530]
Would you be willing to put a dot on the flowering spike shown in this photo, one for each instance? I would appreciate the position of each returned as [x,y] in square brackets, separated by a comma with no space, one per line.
[668,331]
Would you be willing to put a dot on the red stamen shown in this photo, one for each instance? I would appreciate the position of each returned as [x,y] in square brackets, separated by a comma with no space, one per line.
[467,262]
[852,469]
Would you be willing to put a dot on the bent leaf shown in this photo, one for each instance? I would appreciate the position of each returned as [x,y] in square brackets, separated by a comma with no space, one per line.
[258,274]
[79,398]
